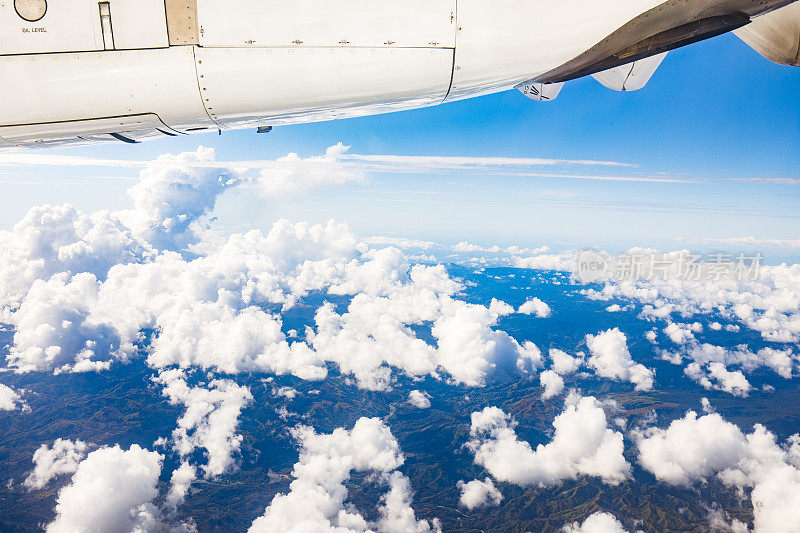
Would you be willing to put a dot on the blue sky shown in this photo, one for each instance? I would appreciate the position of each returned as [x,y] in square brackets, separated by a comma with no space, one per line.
[715,114]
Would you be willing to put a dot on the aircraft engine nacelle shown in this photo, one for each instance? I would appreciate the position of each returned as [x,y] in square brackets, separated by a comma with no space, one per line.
[775,35]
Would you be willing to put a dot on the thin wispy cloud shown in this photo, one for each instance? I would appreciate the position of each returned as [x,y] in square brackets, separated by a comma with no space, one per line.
[394,162]
[433,162]
[599,177]
[376,164]
[771,181]
[31,159]
[523,167]
[744,241]
[583,203]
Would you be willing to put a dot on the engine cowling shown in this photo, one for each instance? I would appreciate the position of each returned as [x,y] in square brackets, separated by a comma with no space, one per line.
[775,35]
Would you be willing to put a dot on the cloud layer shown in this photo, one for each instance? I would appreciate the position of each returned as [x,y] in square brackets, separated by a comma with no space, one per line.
[693,449]
[63,457]
[611,359]
[91,291]
[11,399]
[216,310]
[582,445]
[112,490]
[317,499]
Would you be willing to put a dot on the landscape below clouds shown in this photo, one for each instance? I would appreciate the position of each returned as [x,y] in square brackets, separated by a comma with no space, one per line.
[163,374]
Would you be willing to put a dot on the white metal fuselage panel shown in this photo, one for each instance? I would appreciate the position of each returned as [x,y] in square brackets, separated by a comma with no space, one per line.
[67,26]
[75,86]
[370,23]
[273,86]
[74,26]
[139,24]
[274,62]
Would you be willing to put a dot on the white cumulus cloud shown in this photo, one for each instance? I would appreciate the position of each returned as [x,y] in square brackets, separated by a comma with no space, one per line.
[419,399]
[56,329]
[596,523]
[11,399]
[477,493]
[553,384]
[582,444]
[210,420]
[711,365]
[54,239]
[294,174]
[180,482]
[765,299]
[317,500]
[535,307]
[112,490]
[563,363]
[173,193]
[716,376]
[49,462]
[611,359]
[693,449]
